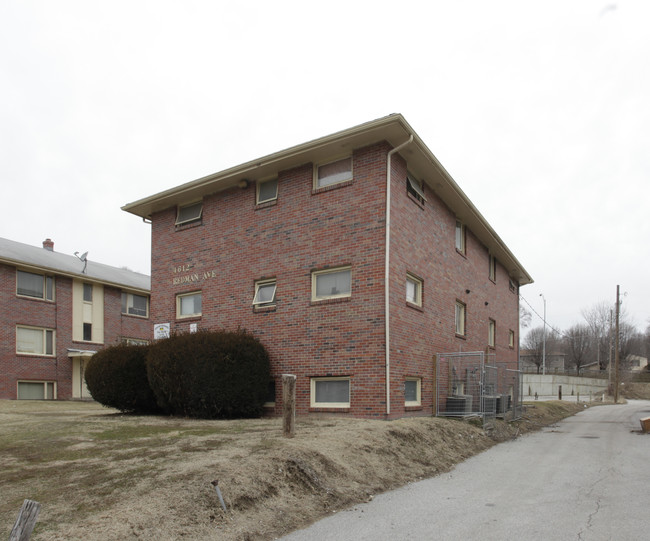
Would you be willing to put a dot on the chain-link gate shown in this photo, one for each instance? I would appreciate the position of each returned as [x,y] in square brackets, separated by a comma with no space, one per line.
[473,384]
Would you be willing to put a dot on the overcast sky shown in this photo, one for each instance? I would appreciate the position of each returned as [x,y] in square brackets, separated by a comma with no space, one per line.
[539,110]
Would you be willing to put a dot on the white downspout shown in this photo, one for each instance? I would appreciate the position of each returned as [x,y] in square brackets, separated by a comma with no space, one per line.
[387,270]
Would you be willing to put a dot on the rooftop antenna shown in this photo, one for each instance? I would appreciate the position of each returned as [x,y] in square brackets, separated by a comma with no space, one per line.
[83,257]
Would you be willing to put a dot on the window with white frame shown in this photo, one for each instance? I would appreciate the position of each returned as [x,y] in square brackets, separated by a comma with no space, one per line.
[414,188]
[267,190]
[331,283]
[36,390]
[187,214]
[135,305]
[511,339]
[264,293]
[492,272]
[88,292]
[413,290]
[333,172]
[460,237]
[413,392]
[330,392]
[87,332]
[34,340]
[188,304]
[460,318]
[492,332]
[134,341]
[38,286]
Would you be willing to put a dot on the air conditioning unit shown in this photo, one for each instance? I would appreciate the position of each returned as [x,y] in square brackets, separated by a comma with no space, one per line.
[459,404]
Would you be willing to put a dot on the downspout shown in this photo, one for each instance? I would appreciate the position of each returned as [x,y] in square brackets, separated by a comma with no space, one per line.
[387,269]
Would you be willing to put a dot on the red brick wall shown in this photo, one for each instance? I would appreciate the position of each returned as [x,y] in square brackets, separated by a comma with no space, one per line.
[302,232]
[423,243]
[238,243]
[55,315]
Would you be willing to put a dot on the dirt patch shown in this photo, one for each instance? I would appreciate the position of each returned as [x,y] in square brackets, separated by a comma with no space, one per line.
[100,475]
[635,391]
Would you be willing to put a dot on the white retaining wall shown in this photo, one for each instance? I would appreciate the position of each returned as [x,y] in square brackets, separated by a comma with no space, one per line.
[548,385]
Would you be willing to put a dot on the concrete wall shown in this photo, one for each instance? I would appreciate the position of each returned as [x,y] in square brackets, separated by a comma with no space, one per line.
[548,385]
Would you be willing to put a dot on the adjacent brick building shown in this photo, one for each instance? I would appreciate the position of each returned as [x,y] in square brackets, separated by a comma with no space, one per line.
[56,311]
[352,295]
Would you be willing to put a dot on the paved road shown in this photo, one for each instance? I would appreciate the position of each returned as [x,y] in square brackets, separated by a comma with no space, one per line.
[586,478]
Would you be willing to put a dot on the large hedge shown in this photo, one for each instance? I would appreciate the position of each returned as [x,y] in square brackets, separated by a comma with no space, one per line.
[116,377]
[209,374]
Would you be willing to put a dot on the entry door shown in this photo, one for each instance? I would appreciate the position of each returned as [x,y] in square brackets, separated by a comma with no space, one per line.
[79,389]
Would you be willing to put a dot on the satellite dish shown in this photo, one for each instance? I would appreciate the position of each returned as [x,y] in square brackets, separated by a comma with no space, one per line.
[84,256]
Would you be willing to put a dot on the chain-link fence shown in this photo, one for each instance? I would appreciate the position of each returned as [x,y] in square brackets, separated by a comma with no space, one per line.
[474,384]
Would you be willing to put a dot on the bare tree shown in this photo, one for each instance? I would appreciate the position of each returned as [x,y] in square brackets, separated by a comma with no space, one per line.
[598,318]
[577,341]
[534,345]
[525,317]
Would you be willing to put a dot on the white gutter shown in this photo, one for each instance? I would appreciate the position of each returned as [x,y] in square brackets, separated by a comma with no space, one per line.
[387,269]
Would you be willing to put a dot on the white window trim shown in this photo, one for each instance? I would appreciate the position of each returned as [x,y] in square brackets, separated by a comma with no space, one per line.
[45,277]
[314,278]
[44,330]
[258,187]
[339,159]
[178,305]
[511,339]
[418,401]
[463,321]
[44,382]
[192,219]
[312,394]
[492,271]
[416,187]
[463,235]
[130,296]
[492,332]
[418,289]
[262,283]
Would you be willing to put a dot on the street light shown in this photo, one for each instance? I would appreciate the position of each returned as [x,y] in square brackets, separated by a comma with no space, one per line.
[544,338]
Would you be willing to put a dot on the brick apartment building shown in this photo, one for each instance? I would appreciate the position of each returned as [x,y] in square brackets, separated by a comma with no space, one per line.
[355,258]
[56,311]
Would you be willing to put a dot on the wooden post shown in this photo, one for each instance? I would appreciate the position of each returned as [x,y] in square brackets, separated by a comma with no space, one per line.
[26,521]
[288,405]
[559,392]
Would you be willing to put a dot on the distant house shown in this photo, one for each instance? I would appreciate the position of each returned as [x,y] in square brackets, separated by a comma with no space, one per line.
[636,363]
[354,258]
[56,311]
[555,361]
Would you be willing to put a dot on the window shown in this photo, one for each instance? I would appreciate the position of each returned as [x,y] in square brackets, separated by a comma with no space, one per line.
[88,332]
[511,339]
[512,285]
[267,191]
[270,394]
[414,188]
[492,332]
[333,172]
[493,268]
[264,293]
[331,284]
[34,340]
[460,237]
[413,290]
[38,286]
[189,213]
[460,318]
[412,392]
[188,305]
[330,392]
[36,390]
[134,341]
[88,293]
[135,305]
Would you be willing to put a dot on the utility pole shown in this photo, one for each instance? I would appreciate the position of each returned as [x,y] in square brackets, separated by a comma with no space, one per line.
[616,339]
[544,338]
[609,362]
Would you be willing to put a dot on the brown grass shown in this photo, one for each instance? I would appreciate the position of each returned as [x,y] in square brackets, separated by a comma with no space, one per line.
[101,475]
